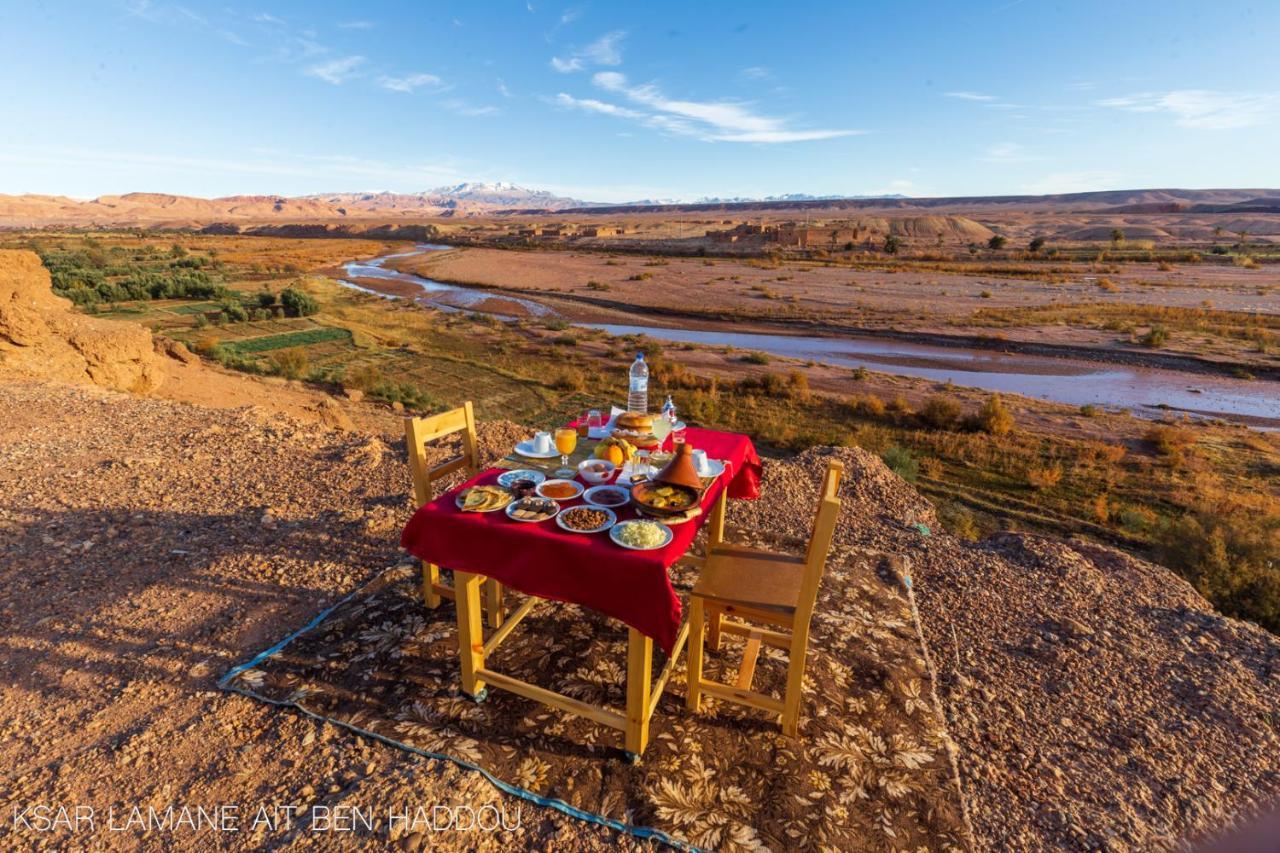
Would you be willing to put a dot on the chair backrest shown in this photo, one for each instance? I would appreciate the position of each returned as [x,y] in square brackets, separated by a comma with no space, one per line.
[824,528]
[419,432]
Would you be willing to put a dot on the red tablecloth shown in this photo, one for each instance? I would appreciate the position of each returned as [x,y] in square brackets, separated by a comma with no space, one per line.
[584,568]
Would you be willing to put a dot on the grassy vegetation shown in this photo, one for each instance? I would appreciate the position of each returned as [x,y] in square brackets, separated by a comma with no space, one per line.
[1201,499]
[266,343]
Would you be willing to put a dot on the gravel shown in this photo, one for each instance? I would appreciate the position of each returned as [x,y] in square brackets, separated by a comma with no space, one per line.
[1096,701]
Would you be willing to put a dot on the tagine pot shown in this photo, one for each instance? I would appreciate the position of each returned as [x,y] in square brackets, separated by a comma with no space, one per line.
[681,471]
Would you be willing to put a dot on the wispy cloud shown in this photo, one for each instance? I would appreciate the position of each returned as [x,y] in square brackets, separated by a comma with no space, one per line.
[336,71]
[1203,109]
[606,50]
[756,72]
[267,18]
[356,25]
[712,121]
[461,107]
[410,83]
[970,96]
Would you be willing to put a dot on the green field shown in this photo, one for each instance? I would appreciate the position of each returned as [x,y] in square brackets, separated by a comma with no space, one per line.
[318,335]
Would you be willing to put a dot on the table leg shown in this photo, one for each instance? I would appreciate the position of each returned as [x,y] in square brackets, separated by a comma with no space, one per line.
[430,577]
[466,588]
[715,524]
[639,676]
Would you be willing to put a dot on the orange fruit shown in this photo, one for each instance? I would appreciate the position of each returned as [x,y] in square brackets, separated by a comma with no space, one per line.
[614,455]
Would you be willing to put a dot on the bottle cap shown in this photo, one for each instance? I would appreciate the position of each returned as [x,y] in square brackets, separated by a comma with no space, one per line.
[640,356]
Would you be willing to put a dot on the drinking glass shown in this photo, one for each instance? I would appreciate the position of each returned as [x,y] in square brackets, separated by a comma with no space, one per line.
[566,441]
[640,464]
[661,429]
[595,420]
[677,434]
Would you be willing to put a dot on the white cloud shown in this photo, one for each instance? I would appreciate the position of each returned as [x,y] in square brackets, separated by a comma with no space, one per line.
[503,90]
[356,25]
[267,18]
[606,50]
[1073,182]
[592,105]
[713,121]
[971,96]
[410,83]
[756,72]
[336,71]
[1203,109]
[566,66]
[461,107]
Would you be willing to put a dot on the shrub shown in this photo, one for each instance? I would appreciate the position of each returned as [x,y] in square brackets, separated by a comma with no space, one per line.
[1036,244]
[1090,411]
[1169,440]
[986,294]
[297,303]
[798,385]
[756,358]
[940,412]
[994,417]
[869,406]
[290,363]
[266,299]
[597,285]
[565,341]
[959,521]
[892,244]
[1046,477]
[860,373]
[640,276]
[1155,338]
[900,461]
[233,311]
[899,405]
[1108,285]
[996,242]
[1247,263]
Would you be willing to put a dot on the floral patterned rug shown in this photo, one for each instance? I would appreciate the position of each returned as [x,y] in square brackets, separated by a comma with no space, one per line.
[870,770]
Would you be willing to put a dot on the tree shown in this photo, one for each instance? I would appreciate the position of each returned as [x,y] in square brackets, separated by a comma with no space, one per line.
[891,245]
[1117,237]
[298,304]
[1036,244]
[996,242]
[266,299]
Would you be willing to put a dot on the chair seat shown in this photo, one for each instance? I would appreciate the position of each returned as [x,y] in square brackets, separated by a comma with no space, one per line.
[751,577]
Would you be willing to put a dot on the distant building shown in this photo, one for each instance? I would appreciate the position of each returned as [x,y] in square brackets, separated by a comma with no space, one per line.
[806,237]
[601,231]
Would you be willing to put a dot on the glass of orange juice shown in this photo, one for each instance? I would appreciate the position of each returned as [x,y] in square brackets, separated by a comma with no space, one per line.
[566,441]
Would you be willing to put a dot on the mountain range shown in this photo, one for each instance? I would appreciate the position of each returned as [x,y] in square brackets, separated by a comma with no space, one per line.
[490,199]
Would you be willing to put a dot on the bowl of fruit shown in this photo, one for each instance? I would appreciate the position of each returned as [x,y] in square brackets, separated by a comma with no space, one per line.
[596,471]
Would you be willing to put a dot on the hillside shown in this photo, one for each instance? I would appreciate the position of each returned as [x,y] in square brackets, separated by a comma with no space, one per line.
[1095,700]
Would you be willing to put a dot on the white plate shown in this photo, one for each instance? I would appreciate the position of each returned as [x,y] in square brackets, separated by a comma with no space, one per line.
[462,496]
[576,485]
[594,492]
[511,506]
[617,528]
[613,519]
[525,448]
[508,478]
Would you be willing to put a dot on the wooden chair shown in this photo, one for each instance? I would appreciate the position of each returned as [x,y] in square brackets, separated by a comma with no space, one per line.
[419,432]
[777,590]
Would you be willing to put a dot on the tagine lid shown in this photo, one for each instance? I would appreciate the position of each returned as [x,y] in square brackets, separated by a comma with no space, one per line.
[681,471]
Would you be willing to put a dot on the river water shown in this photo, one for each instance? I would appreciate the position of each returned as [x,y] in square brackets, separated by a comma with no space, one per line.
[1144,391]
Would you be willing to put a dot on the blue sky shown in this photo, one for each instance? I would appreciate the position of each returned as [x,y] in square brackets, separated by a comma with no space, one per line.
[615,102]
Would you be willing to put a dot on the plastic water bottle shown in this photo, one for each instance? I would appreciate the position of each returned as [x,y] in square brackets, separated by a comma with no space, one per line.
[669,410]
[638,391]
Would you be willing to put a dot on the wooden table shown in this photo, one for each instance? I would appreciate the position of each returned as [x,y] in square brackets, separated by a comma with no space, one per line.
[550,564]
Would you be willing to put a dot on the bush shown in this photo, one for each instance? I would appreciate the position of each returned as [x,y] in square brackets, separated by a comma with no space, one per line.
[1046,477]
[869,406]
[901,462]
[1169,440]
[994,417]
[233,311]
[565,341]
[996,242]
[899,405]
[297,303]
[756,358]
[266,299]
[290,363]
[1155,338]
[1036,244]
[891,245]
[940,412]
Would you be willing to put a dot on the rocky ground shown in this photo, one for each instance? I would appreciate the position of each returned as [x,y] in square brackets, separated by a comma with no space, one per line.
[1095,699]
